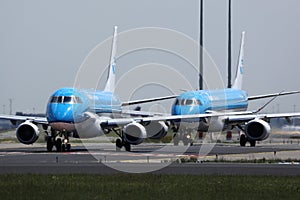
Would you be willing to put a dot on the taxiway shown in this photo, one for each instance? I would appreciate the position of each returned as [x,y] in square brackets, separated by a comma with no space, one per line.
[154,158]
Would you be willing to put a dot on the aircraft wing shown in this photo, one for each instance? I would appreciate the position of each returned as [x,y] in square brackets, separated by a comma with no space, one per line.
[134,102]
[141,113]
[128,103]
[39,120]
[272,95]
[230,118]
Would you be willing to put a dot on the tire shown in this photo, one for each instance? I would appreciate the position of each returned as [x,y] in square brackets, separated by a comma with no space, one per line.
[58,145]
[127,147]
[185,141]
[49,144]
[68,147]
[119,144]
[252,143]
[63,147]
[243,140]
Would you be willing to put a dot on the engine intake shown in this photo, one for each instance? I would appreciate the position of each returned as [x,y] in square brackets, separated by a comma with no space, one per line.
[27,132]
[257,130]
[134,133]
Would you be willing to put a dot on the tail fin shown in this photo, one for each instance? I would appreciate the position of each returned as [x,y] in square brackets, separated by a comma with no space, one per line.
[240,68]
[110,83]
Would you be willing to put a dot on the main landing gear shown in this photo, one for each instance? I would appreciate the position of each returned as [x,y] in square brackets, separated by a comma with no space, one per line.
[60,141]
[244,140]
[121,143]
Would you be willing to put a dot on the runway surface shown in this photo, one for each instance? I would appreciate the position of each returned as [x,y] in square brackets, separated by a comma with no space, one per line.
[153,158]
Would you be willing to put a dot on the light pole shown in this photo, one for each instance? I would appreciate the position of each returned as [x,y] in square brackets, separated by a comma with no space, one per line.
[201,45]
[229,44]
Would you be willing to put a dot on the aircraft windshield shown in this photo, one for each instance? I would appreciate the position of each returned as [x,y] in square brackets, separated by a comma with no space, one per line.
[188,102]
[66,99]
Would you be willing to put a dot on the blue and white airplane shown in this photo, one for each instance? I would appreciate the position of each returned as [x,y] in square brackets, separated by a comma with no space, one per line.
[81,113]
[224,109]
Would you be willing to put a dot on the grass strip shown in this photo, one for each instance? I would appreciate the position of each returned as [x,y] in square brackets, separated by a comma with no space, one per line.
[148,186]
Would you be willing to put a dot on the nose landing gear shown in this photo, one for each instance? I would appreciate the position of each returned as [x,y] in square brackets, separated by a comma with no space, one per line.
[60,141]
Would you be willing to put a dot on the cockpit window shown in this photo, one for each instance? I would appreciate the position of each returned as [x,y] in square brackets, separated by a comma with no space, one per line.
[54,99]
[66,99]
[78,100]
[188,102]
[60,99]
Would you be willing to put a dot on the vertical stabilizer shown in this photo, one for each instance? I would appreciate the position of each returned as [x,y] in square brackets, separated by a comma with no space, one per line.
[240,68]
[110,83]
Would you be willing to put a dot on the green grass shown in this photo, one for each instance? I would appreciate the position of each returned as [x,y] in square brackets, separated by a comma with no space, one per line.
[147,186]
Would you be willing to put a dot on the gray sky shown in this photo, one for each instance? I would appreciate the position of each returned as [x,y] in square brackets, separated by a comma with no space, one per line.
[43,43]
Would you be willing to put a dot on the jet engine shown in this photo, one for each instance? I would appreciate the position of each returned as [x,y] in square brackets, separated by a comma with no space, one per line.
[257,129]
[27,132]
[156,130]
[134,133]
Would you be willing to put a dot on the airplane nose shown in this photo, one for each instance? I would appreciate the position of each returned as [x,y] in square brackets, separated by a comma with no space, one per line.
[176,110]
[60,113]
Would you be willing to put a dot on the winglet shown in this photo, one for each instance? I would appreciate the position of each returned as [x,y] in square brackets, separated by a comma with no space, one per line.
[240,68]
[110,83]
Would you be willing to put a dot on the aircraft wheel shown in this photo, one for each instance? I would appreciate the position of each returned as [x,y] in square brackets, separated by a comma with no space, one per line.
[185,141]
[63,147]
[119,144]
[243,140]
[68,147]
[58,145]
[127,147]
[49,144]
[252,143]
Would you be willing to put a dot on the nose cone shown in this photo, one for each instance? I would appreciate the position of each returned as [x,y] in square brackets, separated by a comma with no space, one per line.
[176,110]
[60,113]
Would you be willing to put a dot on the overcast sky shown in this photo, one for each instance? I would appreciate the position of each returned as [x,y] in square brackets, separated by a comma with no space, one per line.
[43,43]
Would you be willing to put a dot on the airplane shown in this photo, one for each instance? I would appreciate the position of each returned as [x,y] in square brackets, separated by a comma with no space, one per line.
[78,113]
[227,108]
[86,113]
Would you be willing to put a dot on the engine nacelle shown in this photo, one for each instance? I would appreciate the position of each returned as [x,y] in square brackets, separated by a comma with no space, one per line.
[27,132]
[257,130]
[156,130]
[134,133]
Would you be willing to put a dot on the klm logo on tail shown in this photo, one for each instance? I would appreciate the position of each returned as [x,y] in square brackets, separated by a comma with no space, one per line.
[114,66]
